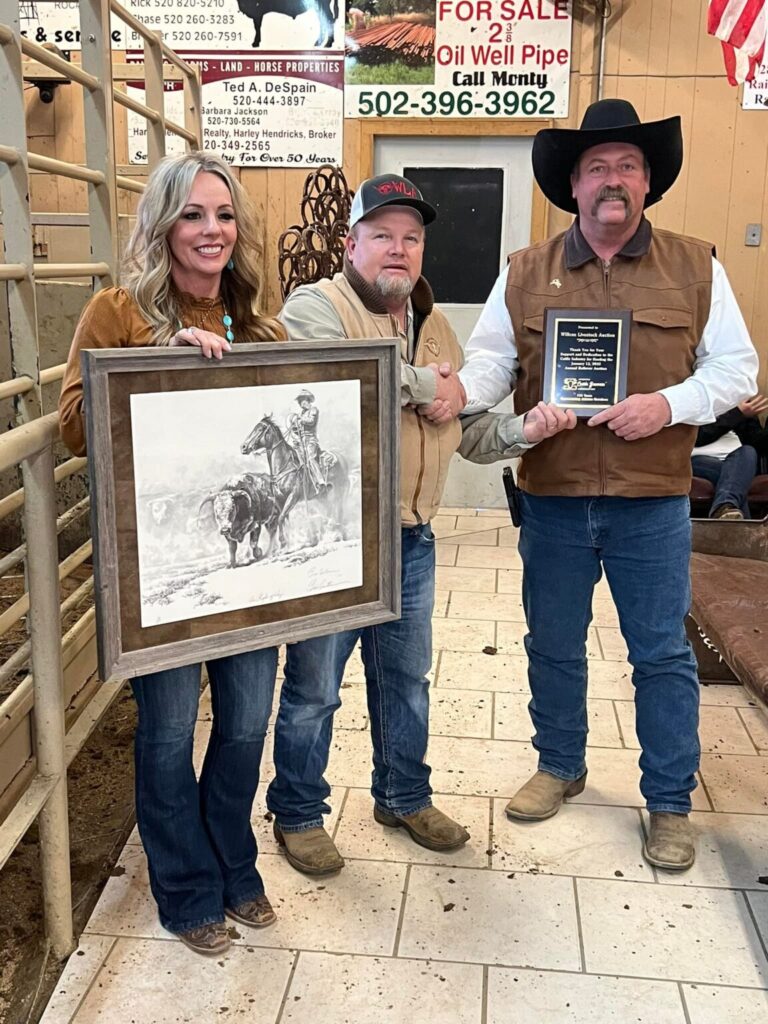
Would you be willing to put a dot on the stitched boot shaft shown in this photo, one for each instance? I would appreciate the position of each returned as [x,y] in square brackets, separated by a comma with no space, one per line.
[542,796]
[670,844]
[429,827]
[311,851]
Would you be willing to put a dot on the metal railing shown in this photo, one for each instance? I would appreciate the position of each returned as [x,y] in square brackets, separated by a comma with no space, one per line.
[44,699]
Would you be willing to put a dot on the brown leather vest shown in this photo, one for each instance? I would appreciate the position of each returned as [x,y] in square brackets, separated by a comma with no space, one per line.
[666,280]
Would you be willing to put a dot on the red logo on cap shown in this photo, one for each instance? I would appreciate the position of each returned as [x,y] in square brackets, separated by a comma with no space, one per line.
[396,186]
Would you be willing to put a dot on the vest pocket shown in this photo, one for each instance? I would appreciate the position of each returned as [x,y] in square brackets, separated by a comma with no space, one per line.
[663,316]
[662,349]
[534,323]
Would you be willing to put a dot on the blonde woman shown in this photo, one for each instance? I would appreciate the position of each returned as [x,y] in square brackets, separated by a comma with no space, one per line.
[191,276]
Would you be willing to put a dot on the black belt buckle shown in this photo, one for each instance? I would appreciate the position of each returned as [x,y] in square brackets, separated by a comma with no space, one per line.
[513,494]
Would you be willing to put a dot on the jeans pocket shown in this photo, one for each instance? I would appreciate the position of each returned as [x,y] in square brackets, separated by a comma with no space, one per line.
[425,536]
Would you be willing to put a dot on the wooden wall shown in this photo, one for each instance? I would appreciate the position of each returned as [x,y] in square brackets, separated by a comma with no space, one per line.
[657,55]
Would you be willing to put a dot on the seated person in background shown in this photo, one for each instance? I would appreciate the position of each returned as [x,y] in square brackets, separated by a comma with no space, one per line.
[750,432]
[726,455]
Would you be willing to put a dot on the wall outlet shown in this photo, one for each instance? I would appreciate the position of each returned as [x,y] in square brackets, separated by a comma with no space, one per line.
[754,234]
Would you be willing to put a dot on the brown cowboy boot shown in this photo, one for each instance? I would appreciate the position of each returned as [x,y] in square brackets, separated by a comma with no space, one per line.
[429,828]
[670,844]
[542,796]
[311,851]
[256,913]
[208,939]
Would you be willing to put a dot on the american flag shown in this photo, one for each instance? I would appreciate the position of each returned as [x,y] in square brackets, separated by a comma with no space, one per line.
[741,27]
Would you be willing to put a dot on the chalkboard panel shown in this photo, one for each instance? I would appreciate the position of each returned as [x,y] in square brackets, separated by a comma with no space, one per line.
[463,249]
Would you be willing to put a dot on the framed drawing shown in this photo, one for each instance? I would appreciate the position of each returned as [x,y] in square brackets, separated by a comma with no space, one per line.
[242,503]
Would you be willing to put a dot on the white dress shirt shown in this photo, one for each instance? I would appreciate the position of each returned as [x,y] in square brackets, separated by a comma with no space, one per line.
[721,448]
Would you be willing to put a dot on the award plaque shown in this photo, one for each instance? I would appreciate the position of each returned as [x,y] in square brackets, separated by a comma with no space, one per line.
[585,358]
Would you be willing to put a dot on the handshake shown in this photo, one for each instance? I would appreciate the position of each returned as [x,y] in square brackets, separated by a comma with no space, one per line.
[544,420]
[450,396]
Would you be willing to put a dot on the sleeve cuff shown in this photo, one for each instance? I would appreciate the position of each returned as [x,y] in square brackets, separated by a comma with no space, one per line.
[511,432]
[679,412]
[419,384]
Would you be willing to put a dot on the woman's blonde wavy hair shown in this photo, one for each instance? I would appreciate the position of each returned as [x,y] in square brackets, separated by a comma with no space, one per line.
[146,273]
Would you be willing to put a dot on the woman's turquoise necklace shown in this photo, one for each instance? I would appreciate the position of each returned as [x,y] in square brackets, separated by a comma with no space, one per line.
[226,321]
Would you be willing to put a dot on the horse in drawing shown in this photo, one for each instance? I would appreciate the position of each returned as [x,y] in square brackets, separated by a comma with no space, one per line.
[291,481]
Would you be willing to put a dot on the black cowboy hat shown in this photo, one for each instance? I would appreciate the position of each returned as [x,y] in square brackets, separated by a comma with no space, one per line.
[556,150]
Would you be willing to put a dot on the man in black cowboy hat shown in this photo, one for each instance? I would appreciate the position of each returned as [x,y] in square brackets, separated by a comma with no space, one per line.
[611,495]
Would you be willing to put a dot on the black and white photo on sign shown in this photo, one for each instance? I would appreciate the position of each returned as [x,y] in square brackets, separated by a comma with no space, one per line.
[295,24]
[246,496]
[221,26]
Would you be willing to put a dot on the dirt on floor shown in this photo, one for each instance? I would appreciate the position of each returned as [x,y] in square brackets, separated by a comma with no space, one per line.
[101,817]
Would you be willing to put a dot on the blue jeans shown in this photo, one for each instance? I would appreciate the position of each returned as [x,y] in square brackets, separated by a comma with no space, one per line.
[197,836]
[732,476]
[643,544]
[397,657]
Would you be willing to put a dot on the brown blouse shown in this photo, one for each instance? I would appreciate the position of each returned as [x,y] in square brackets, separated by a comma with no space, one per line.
[112,320]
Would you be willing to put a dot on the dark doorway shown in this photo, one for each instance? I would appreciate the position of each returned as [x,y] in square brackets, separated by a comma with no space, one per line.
[461,261]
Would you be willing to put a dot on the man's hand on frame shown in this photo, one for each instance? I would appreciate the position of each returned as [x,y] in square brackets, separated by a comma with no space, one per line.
[636,417]
[450,397]
[545,420]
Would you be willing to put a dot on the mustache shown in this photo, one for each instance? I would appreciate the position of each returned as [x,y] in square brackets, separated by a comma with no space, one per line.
[609,193]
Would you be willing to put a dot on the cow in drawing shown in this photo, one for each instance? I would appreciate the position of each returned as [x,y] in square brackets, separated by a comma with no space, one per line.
[240,509]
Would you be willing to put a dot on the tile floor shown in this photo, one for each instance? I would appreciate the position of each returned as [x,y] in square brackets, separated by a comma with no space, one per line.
[560,922]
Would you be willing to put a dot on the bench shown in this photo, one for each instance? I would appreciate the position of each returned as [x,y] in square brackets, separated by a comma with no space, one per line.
[729,580]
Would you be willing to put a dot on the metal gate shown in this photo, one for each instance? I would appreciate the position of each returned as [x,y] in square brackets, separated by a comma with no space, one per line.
[48,715]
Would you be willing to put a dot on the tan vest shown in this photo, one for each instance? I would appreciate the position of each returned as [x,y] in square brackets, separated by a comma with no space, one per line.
[668,288]
[425,449]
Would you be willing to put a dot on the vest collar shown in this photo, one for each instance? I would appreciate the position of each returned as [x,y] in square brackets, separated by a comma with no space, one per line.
[578,251]
[421,297]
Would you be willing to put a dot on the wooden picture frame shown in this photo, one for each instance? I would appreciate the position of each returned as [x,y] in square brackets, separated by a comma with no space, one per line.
[161,418]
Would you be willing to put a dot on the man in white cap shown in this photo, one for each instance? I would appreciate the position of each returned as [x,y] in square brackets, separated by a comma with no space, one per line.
[611,495]
[381,293]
